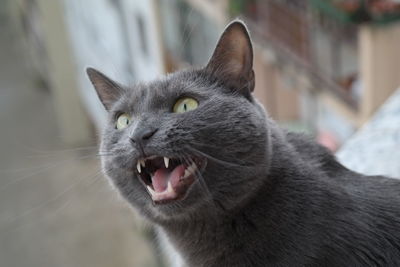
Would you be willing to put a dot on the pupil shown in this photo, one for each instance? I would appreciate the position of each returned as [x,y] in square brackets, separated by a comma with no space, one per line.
[184,106]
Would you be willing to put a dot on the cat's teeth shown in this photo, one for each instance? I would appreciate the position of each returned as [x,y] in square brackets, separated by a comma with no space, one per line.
[190,170]
[187,173]
[169,188]
[142,162]
[138,167]
[166,162]
[152,192]
[193,167]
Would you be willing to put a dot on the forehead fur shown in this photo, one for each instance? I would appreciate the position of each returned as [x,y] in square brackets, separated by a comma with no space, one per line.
[163,92]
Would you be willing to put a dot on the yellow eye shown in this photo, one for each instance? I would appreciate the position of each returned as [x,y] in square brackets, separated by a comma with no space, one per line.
[123,121]
[185,104]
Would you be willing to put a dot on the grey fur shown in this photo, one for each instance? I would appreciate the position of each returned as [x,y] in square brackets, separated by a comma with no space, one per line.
[267,197]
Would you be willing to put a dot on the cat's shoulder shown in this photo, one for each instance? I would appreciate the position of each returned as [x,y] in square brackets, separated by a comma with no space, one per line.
[320,158]
[324,160]
[305,145]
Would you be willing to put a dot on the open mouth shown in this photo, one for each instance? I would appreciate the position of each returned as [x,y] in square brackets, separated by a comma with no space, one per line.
[168,179]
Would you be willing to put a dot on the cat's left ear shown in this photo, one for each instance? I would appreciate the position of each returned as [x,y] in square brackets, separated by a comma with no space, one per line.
[232,60]
[108,90]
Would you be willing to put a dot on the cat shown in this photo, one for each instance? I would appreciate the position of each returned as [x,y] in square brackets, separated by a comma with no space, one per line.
[197,155]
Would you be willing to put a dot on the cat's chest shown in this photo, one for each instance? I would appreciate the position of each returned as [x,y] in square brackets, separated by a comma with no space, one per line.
[174,259]
[198,250]
[197,254]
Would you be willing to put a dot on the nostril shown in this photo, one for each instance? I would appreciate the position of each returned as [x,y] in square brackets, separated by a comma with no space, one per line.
[149,134]
[142,135]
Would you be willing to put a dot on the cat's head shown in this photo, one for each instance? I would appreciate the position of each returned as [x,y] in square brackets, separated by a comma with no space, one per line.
[194,142]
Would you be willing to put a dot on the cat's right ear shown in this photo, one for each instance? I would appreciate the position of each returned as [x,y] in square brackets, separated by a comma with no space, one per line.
[108,90]
[232,60]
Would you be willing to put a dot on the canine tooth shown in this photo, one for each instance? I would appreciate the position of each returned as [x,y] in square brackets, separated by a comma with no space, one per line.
[189,170]
[166,162]
[194,166]
[138,167]
[152,192]
[187,173]
[169,188]
[143,163]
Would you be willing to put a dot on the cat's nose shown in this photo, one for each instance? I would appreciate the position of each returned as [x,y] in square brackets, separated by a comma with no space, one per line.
[142,135]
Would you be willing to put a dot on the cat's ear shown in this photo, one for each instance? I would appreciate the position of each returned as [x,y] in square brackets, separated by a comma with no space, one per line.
[232,60]
[108,90]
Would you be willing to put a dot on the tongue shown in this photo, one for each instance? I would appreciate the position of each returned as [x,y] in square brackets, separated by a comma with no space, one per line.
[160,180]
[162,176]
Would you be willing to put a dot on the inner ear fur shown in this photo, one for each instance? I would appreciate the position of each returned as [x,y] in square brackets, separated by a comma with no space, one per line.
[108,90]
[232,60]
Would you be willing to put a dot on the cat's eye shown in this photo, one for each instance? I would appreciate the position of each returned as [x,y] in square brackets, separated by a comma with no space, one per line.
[123,121]
[185,104]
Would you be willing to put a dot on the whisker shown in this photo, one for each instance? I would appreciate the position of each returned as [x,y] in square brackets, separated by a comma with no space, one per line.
[201,180]
[41,169]
[186,38]
[222,162]
[50,153]
[94,178]
[35,150]
[208,126]
[45,203]
[226,149]
[44,218]
[73,157]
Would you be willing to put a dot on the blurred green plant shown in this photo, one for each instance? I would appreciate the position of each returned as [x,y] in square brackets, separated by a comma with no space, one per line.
[242,7]
[359,11]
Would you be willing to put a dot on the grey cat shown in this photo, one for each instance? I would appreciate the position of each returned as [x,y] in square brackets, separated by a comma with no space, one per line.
[196,155]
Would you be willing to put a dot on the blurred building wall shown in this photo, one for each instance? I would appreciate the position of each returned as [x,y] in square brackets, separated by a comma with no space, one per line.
[41,22]
[120,38]
[379,64]
[312,70]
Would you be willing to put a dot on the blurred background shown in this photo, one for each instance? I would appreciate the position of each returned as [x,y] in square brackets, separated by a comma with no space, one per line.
[323,67]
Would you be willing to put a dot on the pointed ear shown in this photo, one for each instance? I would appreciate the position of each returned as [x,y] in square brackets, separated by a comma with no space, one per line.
[232,60]
[107,90]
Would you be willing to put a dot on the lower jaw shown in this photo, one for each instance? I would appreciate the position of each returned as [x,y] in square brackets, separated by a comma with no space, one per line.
[176,188]
[172,193]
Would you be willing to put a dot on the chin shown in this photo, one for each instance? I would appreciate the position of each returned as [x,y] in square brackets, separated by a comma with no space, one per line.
[192,204]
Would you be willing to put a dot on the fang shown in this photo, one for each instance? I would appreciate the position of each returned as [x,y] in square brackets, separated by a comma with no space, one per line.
[166,162]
